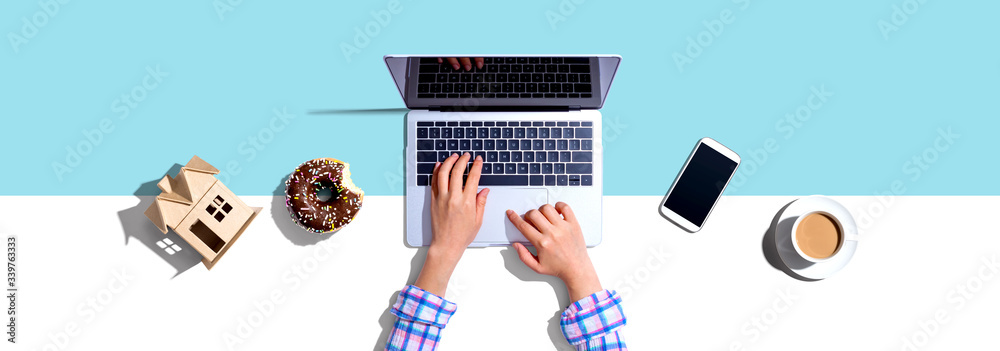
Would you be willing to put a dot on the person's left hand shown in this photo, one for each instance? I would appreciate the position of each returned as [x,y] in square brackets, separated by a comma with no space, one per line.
[463,62]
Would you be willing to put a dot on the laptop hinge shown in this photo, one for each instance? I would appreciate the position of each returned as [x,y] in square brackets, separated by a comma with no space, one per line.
[502,108]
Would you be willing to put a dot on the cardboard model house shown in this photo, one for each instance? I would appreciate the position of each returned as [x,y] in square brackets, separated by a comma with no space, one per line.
[201,210]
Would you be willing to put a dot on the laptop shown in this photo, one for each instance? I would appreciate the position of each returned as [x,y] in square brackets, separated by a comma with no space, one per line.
[533,118]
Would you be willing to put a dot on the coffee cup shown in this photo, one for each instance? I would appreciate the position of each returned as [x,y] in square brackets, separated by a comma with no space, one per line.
[819,236]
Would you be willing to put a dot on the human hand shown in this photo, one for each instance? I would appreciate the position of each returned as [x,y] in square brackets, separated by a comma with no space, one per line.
[463,62]
[562,251]
[456,215]
[456,212]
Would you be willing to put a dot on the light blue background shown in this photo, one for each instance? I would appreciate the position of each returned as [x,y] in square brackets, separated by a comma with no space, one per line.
[226,75]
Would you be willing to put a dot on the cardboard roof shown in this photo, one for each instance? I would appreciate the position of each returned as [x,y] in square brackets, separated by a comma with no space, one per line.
[180,193]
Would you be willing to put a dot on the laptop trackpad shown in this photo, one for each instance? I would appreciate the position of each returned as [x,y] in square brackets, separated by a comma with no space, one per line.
[496,229]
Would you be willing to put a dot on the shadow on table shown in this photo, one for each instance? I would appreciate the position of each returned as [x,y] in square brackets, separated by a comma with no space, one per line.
[359,111]
[387,320]
[769,244]
[512,262]
[283,220]
[136,225]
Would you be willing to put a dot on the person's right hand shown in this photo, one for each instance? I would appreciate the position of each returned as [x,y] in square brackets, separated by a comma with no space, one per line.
[562,251]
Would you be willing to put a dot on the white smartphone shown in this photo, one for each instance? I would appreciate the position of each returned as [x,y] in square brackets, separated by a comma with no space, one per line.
[699,185]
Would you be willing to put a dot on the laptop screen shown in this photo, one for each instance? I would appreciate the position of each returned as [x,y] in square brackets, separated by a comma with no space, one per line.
[516,82]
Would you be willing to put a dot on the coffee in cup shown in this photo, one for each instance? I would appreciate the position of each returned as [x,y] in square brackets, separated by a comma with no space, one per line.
[817,236]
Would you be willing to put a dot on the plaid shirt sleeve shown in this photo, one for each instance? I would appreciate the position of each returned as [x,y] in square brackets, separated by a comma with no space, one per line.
[594,322]
[420,317]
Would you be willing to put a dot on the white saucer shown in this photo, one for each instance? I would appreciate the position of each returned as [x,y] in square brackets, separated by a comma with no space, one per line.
[783,237]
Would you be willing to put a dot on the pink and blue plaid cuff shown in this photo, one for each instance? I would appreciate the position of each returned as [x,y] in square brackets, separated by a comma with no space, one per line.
[590,324]
[608,342]
[415,304]
[421,316]
[594,321]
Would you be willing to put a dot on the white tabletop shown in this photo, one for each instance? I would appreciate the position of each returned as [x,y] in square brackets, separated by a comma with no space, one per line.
[920,276]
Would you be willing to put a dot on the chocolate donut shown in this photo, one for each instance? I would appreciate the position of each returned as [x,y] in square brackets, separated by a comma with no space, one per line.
[303,203]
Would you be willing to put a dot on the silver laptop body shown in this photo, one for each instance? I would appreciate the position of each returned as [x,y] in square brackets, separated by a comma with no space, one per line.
[570,119]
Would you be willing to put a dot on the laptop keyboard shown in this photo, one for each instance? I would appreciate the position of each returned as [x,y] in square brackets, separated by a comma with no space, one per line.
[507,77]
[517,153]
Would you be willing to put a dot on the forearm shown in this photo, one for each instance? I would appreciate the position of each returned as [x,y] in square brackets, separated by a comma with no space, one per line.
[582,281]
[582,284]
[437,270]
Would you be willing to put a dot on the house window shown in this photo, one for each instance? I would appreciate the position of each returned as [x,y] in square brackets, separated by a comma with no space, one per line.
[168,246]
[219,208]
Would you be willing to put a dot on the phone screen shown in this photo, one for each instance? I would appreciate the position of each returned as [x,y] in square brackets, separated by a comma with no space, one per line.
[700,184]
